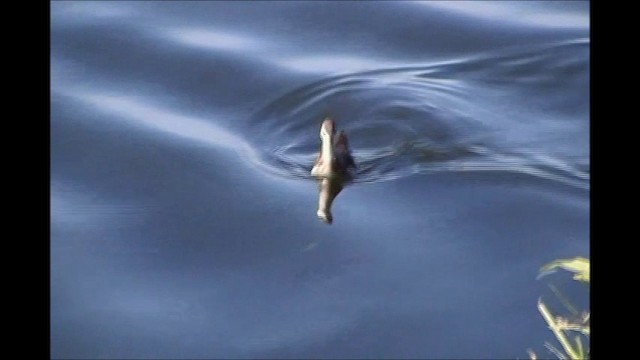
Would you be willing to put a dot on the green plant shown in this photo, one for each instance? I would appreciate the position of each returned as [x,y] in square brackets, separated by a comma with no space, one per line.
[564,327]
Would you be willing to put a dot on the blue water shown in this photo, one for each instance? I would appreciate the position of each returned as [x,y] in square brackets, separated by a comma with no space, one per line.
[183,216]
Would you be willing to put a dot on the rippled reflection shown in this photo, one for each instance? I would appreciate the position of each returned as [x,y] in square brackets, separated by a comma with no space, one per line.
[441,117]
[522,13]
[214,40]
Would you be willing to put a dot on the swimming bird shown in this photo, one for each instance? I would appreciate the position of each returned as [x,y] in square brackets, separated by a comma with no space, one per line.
[332,167]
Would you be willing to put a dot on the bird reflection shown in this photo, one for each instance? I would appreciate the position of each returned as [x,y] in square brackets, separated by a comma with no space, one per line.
[332,167]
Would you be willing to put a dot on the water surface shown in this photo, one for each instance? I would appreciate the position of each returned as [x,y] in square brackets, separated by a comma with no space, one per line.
[182,213]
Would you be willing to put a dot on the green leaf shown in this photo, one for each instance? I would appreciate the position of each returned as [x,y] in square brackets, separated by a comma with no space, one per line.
[578,265]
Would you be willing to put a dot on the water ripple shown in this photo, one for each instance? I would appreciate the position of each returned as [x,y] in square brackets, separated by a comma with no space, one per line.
[453,116]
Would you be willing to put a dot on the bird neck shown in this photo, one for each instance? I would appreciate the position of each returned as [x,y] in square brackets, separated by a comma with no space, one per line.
[327,148]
